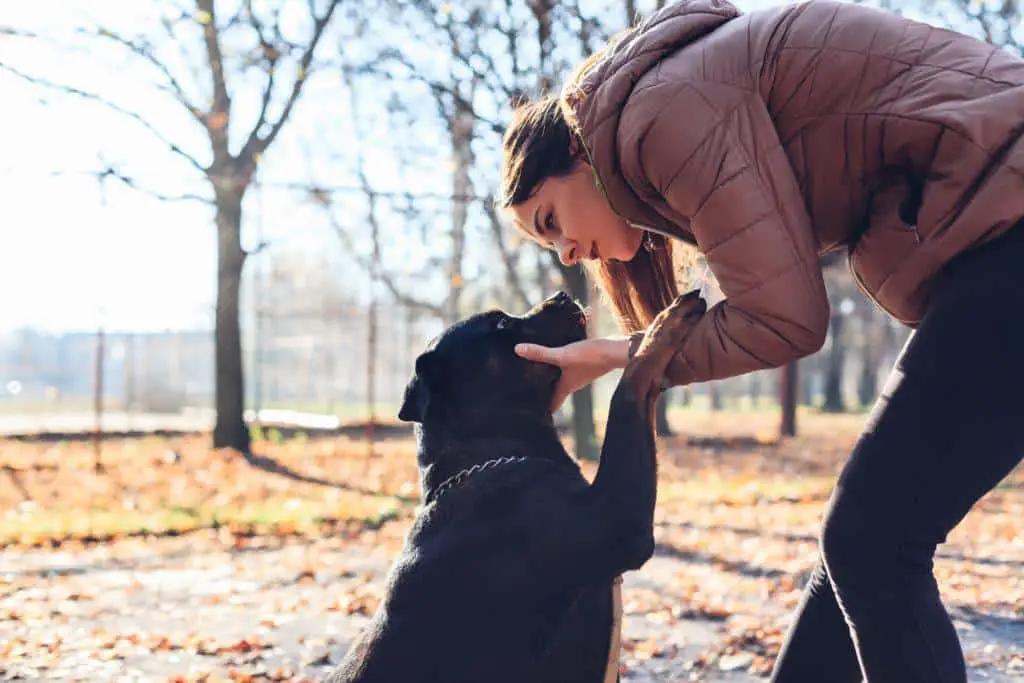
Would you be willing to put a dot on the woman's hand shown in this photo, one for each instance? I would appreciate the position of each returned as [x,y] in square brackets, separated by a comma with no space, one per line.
[582,362]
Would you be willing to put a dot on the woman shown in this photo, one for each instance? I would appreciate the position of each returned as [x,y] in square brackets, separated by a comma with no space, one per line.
[766,140]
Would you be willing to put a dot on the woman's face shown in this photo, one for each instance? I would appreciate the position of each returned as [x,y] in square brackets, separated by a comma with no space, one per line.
[570,215]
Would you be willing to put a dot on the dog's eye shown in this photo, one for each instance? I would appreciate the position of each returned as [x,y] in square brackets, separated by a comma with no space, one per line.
[502,324]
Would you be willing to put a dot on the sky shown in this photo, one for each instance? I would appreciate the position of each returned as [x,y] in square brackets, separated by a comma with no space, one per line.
[76,254]
[73,256]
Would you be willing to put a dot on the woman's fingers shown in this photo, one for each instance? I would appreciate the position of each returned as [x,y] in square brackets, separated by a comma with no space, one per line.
[538,353]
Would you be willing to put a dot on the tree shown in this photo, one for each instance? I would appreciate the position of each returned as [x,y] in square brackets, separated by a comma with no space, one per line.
[836,364]
[488,57]
[788,391]
[265,45]
[842,295]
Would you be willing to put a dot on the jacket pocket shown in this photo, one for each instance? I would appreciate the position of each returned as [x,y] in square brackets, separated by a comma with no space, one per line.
[890,238]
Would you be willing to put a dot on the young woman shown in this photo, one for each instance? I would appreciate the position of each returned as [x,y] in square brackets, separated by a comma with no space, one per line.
[765,140]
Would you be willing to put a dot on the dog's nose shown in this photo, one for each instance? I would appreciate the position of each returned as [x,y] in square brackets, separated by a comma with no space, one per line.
[560,299]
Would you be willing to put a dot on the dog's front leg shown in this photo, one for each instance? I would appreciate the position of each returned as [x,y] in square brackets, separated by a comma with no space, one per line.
[626,480]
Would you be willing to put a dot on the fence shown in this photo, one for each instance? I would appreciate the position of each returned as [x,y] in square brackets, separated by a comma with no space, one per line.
[315,361]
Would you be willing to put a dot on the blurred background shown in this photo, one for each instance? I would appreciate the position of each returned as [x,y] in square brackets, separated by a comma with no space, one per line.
[236,223]
[218,214]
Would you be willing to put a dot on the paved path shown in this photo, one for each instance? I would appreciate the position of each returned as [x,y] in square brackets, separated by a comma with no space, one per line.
[139,611]
[190,420]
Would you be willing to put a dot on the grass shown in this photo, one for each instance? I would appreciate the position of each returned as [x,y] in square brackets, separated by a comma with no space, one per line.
[156,485]
[174,485]
[279,517]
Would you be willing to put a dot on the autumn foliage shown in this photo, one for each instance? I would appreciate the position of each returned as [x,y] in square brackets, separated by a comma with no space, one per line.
[187,564]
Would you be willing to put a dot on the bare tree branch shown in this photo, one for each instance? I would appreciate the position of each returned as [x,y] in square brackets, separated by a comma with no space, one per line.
[255,144]
[145,52]
[131,183]
[168,24]
[322,196]
[17,32]
[382,276]
[272,54]
[375,69]
[322,190]
[491,75]
[507,259]
[111,172]
[262,246]
[93,97]
[218,117]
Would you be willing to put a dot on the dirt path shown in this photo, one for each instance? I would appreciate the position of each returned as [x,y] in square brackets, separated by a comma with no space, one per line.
[286,610]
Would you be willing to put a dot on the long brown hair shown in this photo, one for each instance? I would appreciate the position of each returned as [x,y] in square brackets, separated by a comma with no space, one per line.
[544,141]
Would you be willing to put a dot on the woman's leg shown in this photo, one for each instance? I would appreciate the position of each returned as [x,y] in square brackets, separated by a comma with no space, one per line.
[948,427]
[818,646]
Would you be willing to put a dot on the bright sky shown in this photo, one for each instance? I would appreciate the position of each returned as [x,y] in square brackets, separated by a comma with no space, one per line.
[68,255]
[72,256]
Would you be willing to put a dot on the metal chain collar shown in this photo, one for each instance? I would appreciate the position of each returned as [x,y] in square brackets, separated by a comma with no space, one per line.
[462,475]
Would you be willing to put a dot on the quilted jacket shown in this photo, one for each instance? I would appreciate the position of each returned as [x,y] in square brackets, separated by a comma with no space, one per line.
[771,137]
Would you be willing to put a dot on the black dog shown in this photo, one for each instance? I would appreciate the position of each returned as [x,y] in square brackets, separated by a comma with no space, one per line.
[507,573]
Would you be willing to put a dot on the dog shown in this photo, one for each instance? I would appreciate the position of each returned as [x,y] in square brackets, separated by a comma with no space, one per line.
[509,571]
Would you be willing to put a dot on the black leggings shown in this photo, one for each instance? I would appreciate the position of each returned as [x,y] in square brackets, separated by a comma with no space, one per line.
[947,428]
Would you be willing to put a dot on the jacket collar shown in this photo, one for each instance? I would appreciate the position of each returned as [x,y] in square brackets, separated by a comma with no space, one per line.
[598,101]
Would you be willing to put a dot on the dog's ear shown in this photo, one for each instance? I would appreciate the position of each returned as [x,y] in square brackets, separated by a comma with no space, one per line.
[425,383]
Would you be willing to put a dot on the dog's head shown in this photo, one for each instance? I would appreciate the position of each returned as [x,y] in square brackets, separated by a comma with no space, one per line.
[472,367]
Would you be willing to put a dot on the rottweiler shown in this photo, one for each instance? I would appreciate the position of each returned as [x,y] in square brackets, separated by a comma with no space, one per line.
[509,571]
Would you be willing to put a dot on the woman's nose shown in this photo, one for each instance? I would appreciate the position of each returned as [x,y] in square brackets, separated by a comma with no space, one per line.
[568,252]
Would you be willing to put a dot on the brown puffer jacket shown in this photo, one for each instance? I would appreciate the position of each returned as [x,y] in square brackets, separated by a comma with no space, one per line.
[772,137]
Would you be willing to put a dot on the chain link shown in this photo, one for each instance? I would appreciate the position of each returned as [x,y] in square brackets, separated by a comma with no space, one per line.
[462,475]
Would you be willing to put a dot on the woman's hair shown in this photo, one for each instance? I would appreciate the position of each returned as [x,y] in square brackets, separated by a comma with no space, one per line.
[543,141]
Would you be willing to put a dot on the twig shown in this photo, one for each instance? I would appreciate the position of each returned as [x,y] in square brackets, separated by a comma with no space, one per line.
[145,53]
[255,144]
[93,97]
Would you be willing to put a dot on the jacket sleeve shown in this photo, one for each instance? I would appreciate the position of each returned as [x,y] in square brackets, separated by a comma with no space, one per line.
[713,154]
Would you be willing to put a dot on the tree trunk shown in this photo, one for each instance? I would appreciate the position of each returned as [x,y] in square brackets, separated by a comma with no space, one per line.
[787,398]
[632,14]
[878,339]
[230,430]
[806,396]
[584,434]
[461,131]
[867,387]
[833,402]
[754,389]
[661,425]
[715,395]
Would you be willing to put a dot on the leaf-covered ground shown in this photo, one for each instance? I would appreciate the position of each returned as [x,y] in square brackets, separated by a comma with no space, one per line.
[177,563]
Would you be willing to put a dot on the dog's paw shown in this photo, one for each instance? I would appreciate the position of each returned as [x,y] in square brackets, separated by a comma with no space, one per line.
[669,329]
[664,337]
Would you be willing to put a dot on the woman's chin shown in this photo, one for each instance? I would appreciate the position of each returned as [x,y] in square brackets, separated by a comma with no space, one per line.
[628,254]
[623,253]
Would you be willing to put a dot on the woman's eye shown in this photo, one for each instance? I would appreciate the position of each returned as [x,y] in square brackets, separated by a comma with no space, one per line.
[550,230]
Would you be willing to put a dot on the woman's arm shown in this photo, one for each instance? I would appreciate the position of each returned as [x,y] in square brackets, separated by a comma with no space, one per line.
[712,151]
